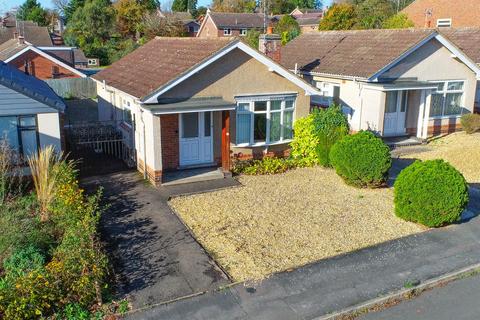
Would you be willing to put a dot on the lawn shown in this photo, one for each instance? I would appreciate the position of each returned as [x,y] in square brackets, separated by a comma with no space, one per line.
[274,223]
[460,149]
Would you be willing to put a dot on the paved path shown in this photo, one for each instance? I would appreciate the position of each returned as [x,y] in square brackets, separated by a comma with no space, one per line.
[458,300]
[340,282]
[154,256]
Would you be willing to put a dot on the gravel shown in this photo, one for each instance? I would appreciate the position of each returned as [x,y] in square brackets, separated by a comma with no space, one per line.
[275,223]
[460,149]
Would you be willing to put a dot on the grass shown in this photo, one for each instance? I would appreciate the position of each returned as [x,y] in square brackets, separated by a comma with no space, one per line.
[278,222]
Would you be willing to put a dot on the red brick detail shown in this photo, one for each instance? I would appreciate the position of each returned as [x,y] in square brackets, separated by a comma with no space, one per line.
[155,177]
[41,67]
[259,154]
[170,141]
[436,130]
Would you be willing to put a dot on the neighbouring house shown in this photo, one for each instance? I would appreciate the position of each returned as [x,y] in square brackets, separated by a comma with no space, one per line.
[226,100]
[308,19]
[30,112]
[444,13]
[42,62]
[394,82]
[468,40]
[223,24]
[10,28]
[192,27]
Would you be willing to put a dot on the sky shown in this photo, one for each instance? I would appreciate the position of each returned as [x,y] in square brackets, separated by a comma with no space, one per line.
[5,5]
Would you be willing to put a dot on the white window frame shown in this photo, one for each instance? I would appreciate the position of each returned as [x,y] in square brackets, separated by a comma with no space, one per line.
[445,91]
[227,32]
[444,23]
[251,111]
[243,32]
[126,108]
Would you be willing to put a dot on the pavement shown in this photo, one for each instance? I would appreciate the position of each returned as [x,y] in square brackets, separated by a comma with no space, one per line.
[154,256]
[458,300]
[338,283]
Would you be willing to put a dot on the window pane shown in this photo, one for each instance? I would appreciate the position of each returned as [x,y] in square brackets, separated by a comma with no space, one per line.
[243,106]
[287,125]
[243,128]
[29,142]
[260,127]
[190,125]
[457,85]
[403,106]
[391,103]
[27,121]
[288,104]
[260,105]
[8,131]
[127,116]
[440,86]
[275,105]
[208,124]
[275,126]
[453,104]
[436,105]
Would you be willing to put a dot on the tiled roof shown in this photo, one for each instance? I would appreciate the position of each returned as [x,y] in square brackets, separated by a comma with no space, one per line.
[38,36]
[158,62]
[359,53]
[466,39]
[10,48]
[30,86]
[237,20]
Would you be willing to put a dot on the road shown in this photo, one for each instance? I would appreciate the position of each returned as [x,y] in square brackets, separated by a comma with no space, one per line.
[459,300]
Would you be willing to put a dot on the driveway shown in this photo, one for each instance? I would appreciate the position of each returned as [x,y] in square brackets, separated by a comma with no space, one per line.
[155,259]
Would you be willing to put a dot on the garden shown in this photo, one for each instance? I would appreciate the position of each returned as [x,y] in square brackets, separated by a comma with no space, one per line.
[329,197]
[52,263]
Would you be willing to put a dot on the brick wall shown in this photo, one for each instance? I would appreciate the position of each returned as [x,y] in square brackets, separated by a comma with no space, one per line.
[170,143]
[41,67]
[155,177]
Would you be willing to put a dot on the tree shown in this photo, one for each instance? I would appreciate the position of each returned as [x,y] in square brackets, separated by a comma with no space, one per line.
[398,21]
[339,17]
[234,5]
[168,26]
[184,6]
[288,28]
[252,38]
[31,10]
[130,14]
[372,13]
[71,7]
[201,11]
[287,6]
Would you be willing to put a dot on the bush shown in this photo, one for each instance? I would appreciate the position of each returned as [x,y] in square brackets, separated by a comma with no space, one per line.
[316,134]
[432,193]
[470,122]
[362,160]
[268,165]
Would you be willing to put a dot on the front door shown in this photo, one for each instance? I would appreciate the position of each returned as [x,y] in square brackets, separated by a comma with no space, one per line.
[196,143]
[395,113]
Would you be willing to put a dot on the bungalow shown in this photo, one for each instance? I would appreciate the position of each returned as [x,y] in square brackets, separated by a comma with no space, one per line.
[30,112]
[395,82]
[223,24]
[225,100]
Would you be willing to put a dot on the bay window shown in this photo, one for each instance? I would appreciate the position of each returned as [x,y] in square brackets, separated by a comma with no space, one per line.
[264,120]
[447,99]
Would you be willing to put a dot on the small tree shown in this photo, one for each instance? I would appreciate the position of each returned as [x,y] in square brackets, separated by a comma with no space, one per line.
[288,28]
[252,38]
[31,10]
[398,21]
[339,17]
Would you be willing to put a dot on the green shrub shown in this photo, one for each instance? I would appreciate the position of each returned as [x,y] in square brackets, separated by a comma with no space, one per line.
[18,264]
[268,165]
[74,311]
[431,192]
[362,159]
[315,135]
[470,122]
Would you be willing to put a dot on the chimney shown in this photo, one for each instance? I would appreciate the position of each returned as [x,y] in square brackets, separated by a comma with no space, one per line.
[270,44]
[21,40]
[15,35]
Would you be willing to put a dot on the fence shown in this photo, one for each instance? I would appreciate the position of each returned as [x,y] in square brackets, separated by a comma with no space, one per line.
[79,88]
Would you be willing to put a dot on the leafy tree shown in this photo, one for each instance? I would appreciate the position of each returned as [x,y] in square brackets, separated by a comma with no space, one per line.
[288,28]
[341,16]
[71,7]
[287,6]
[201,11]
[31,10]
[234,5]
[372,13]
[168,26]
[398,21]
[130,14]
[184,5]
[252,38]
[309,4]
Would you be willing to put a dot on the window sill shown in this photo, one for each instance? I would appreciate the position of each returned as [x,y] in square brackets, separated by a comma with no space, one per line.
[262,144]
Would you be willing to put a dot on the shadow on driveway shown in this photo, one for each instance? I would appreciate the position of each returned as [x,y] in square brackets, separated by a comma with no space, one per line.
[155,259]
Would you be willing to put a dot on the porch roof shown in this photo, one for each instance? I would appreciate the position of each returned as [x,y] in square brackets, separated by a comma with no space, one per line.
[403,85]
[201,104]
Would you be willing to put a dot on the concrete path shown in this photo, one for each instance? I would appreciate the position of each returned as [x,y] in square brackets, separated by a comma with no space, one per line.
[154,256]
[337,283]
[458,300]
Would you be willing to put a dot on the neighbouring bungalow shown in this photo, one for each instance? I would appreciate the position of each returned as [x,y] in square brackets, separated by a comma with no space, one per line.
[226,24]
[307,19]
[30,112]
[11,28]
[394,82]
[199,102]
[41,62]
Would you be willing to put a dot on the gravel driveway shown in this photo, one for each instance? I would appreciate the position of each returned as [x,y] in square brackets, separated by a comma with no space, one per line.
[283,221]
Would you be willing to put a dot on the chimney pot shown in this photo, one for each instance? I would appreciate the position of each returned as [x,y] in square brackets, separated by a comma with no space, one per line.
[21,40]
[270,44]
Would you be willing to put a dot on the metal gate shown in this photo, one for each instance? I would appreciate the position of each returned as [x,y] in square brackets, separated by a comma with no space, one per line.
[100,147]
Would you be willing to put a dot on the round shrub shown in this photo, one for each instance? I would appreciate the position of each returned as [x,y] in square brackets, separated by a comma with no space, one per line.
[362,160]
[431,192]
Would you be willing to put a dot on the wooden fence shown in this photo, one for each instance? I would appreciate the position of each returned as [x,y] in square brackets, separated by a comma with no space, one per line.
[70,88]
